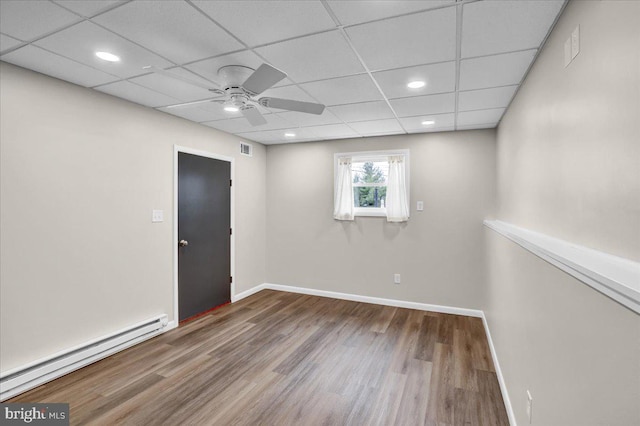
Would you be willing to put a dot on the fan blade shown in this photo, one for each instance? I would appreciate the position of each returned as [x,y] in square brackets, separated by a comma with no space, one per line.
[253,115]
[262,78]
[186,104]
[184,79]
[291,105]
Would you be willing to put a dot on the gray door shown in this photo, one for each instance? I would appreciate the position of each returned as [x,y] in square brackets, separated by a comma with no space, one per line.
[204,228]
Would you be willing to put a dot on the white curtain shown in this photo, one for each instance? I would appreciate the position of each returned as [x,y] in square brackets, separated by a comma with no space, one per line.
[343,201]
[397,203]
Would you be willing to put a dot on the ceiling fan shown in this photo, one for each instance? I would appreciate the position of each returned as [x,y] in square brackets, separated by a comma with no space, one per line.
[238,88]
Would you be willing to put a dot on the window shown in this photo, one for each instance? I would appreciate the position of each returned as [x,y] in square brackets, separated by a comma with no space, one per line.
[362,184]
[369,185]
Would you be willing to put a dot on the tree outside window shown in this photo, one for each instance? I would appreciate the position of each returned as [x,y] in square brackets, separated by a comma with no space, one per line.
[370,183]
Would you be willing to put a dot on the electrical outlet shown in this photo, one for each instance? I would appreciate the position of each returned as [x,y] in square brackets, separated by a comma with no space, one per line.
[529,405]
[396,278]
[420,206]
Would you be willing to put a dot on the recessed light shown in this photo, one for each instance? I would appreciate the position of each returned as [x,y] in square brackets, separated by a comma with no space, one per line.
[290,135]
[428,122]
[416,84]
[106,56]
[231,108]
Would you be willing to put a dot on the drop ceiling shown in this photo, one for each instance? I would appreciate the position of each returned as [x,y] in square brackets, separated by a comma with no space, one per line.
[356,57]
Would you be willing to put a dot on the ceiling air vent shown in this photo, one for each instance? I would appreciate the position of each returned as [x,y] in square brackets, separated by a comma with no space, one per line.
[246,149]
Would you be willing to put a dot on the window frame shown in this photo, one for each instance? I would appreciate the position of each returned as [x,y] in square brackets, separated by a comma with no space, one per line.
[364,156]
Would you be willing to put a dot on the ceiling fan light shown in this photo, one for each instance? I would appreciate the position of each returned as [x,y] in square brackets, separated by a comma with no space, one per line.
[416,84]
[231,108]
[109,57]
[428,122]
[289,135]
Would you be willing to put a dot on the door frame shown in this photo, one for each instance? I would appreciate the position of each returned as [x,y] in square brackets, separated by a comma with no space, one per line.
[176,150]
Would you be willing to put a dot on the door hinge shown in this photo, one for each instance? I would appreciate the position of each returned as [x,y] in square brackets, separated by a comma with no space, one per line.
[230,182]
[230,280]
[230,231]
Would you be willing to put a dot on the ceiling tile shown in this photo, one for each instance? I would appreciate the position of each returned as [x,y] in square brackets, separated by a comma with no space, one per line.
[497,97]
[216,112]
[287,92]
[173,87]
[208,68]
[7,42]
[261,137]
[262,22]
[407,40]
[241,125]
[363,111]
[278,136]
[333,131]
[376,127]
[232,125]
[441,121]
[478,126]
[48,63]
[496,70]
[504,26]
[89,8]
[81,41]
[431,104]
[479,117]
[197,113]
[172,29]
[439,78]
[27,20]
[303,119]
[188,74]
[138,94]
[208,111]
[345,90]
[355,12]
[442,129]
[313,57]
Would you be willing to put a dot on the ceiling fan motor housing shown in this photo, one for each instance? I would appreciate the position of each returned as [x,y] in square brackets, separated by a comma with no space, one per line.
[232,76]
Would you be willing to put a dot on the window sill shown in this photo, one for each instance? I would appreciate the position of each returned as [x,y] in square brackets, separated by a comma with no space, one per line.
[369,213]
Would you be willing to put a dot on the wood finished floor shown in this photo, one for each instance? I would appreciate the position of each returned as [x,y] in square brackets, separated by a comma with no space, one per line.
[286,359]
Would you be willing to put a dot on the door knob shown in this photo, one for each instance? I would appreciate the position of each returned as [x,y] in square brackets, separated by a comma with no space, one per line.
[183,243]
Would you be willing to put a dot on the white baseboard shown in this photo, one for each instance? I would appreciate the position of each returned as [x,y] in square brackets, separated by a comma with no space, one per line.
[501,382]
[247,293]
[374,300]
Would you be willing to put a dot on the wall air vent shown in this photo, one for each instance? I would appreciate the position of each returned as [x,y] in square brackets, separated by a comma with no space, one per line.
[246,149]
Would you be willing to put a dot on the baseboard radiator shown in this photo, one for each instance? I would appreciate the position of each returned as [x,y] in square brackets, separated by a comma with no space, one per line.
[19,380]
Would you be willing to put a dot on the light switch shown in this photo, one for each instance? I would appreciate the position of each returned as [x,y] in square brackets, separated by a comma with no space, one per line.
[420,206]
[157,216]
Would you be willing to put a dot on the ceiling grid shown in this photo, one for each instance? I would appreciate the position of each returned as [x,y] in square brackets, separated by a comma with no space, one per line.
[355,57]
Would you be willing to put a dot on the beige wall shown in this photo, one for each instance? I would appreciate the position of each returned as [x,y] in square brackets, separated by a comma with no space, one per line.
[569,166]
[81,172]
[438,252]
